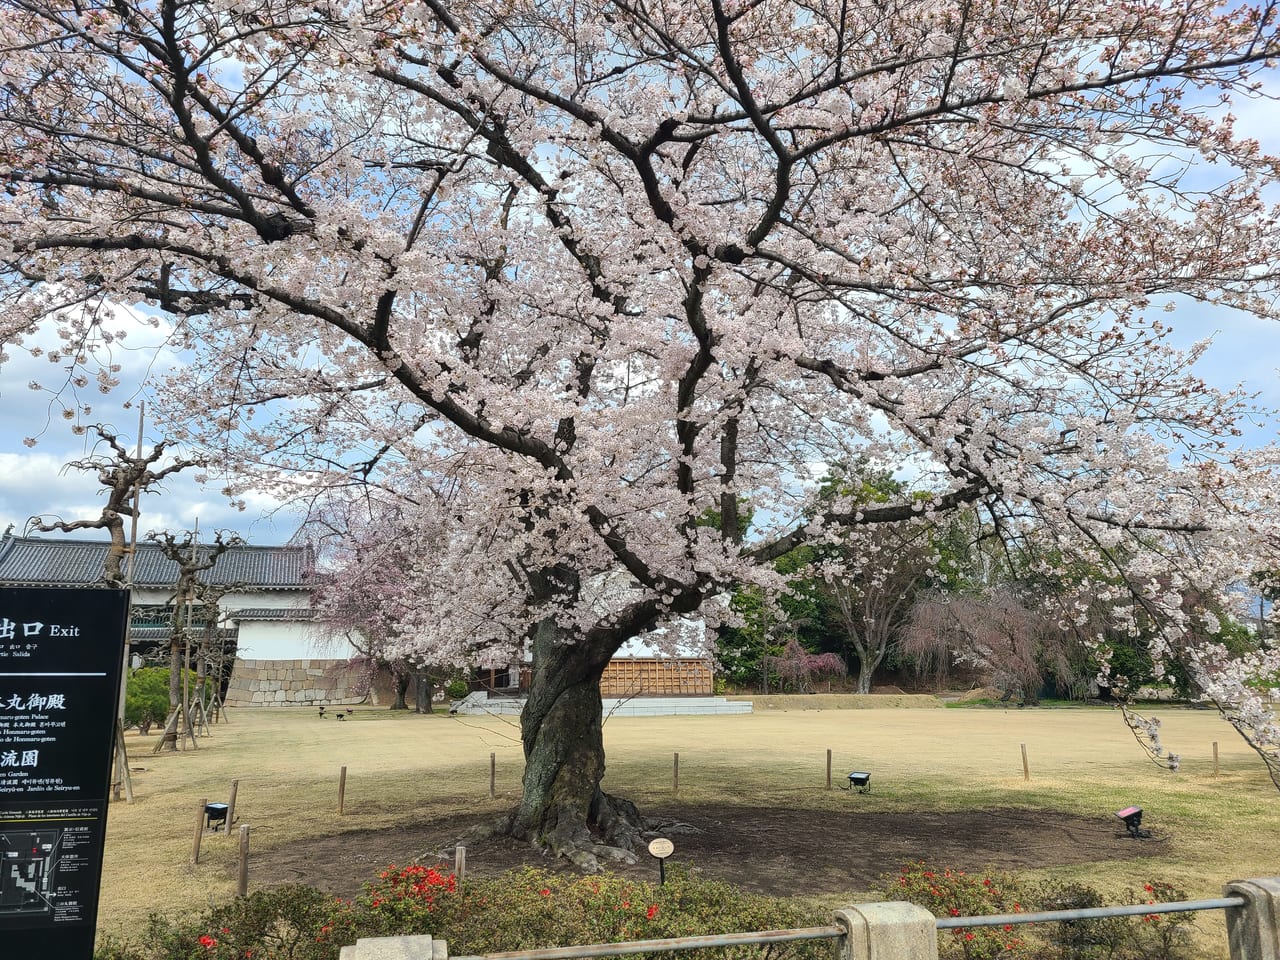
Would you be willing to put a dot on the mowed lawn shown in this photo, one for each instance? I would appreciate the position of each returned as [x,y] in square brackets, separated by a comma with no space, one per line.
[403,768]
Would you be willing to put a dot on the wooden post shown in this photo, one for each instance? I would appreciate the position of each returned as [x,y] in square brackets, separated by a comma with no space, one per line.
[242,884]
[122,756]
[675,774]
[342,789]
[493,775]
[195,842]
[1026,769]
[231,804]
[1215,758]
[460,862]
[828,768]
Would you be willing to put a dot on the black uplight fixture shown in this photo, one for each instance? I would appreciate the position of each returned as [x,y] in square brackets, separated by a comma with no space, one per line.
[1131,817]
[215,815]
[859,781]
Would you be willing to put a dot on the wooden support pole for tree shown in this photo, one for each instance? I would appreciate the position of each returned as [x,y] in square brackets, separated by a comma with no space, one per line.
[122,763]
[242,883]
[460,863]
[342,789]
[828,768]
[1026,769]
[231,805]
[493,775]
[195,842]
[675,774]
[1215,758]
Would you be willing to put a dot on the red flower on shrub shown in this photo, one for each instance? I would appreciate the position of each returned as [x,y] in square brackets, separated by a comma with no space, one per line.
[207,941]
[651,912]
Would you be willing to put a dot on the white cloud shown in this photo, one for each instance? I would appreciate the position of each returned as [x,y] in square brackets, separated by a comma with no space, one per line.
[36,481]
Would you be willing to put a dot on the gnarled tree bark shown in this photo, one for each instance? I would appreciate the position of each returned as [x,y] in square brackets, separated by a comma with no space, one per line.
[563,809]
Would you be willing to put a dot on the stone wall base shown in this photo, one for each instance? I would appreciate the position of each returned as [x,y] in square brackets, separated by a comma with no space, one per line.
[292,683]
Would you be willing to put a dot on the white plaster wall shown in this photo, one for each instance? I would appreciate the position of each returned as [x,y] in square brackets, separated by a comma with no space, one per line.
[276,640]
[271,599]
[237,600]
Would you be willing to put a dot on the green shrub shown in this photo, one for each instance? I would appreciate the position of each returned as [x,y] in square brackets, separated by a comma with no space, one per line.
[456,689]
[1153,936]
[531,907]
[520,910]
[955,893]
[1084,939]
[146,698]
[288,923]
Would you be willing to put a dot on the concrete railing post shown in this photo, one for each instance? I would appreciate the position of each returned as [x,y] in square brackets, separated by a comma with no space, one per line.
[1253,930]
[396,948]
[888,931]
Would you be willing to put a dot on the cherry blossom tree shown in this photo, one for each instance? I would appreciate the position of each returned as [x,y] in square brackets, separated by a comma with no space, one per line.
[868,583]
[797,668]
[376,582]
[1013,637]
[601,269]
[872,598]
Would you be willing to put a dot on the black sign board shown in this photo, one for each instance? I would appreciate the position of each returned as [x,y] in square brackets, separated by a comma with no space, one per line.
[61,653]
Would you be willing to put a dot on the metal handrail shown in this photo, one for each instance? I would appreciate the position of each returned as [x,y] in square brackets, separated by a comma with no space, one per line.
[709,941]
[1090,913]
[705,941]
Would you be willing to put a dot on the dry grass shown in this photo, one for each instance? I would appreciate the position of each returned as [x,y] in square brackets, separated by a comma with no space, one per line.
[404,768]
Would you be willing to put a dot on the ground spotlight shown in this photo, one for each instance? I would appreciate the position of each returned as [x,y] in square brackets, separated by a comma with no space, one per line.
[215,815]
[1132,819]
[860,782]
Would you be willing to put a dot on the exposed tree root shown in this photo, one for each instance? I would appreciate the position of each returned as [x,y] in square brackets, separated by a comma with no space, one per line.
[664,828]
[614,832]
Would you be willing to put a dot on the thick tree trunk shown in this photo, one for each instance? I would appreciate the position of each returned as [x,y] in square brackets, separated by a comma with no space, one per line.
[423,691]
[402,687]
[870,652]
[563,810]
[864,677]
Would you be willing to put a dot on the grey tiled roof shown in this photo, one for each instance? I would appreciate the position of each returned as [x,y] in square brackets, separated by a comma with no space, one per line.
[35,561]
[141,634]
[272,613]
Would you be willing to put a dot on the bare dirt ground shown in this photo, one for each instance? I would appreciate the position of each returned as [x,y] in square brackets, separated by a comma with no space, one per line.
[772,851]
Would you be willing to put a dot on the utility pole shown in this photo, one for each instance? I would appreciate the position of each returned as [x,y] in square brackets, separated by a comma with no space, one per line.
[122,776]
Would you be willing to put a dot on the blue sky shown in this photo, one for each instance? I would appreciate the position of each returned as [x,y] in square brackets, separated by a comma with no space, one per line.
[35,480]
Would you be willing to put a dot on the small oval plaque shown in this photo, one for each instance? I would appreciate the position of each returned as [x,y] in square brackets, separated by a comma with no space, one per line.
[661,848]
